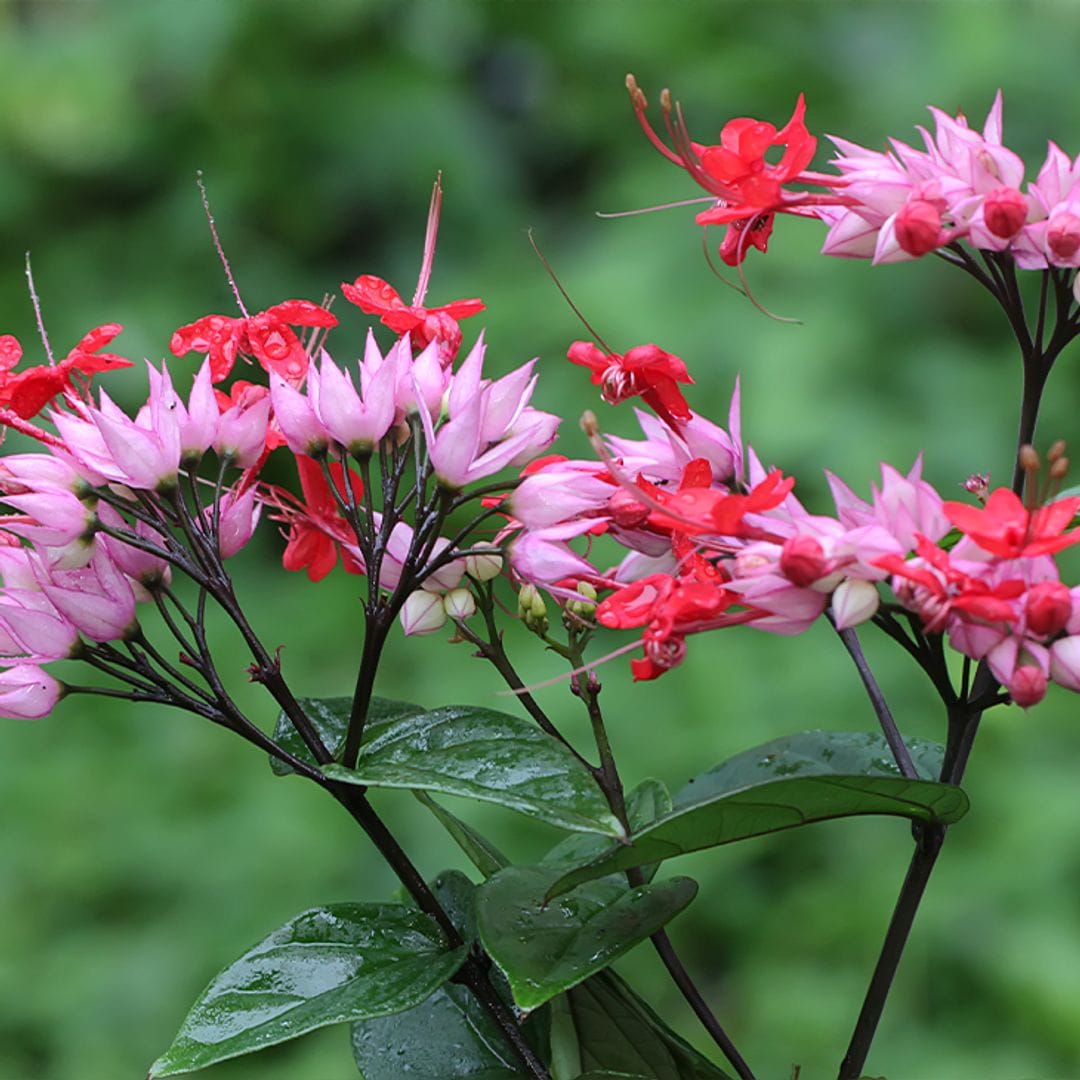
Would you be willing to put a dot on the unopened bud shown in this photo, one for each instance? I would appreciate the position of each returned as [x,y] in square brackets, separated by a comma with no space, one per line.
[1047,606]
[485,563]
[579,609]
[1063,236]
[626,511]
[1065,662]
[459,604]
[853,602]
[1027,686]
[1004,211]
[532,609]
[802,560]
[918,227]
[423,613]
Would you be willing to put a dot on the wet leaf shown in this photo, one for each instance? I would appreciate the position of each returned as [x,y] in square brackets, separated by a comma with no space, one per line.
[545,949]
[647,802]
[330,718]
[798,780]
[486,755]
[620,1036]
[328,965]
[487,858]
[447,1037]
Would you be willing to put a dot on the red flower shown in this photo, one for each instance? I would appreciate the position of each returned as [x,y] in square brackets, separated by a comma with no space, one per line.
[268,336]
[645,370]
[749,189]
[702,509]
[374,296]
[30,391]
[316,528]
[1007,528]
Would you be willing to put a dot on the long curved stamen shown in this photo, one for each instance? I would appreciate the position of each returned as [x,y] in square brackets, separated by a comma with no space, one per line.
[650,209]
[430,236]
[640,104]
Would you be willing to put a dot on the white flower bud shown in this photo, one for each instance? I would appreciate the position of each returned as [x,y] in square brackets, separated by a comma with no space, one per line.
[423,613]
[854,602]
[459,604]
[484,565]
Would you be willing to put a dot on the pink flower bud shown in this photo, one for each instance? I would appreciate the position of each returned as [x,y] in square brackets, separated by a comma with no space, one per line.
[853,602]
[1063,236]
[1004,211]
[423,613]
[27,692]
[1027,686]
[626,511]
[1065,662]
[802,560]
[237,518]
[1047,607]
[918,227]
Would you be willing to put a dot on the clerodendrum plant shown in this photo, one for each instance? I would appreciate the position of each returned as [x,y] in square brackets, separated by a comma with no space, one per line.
[405,480]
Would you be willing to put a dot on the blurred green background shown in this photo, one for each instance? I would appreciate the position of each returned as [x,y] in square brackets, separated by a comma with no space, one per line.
[143,850]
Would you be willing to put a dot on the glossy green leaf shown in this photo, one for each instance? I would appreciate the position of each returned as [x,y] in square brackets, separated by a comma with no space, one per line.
[620,1036]
[811,753]
[486,755]
[647,802]
[328,965]
[330,718]
[447,1037]
[798,780]
[545,949]
[487,858]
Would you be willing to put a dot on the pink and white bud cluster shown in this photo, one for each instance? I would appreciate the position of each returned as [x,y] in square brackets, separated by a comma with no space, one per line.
[963,184]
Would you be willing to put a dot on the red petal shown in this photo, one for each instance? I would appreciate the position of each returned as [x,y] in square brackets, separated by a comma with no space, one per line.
[460,309]
[372,295]
[97,338]
[10,352]
[301,313]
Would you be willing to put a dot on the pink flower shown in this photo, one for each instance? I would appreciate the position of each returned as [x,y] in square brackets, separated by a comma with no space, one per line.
[27,692]
[97,599]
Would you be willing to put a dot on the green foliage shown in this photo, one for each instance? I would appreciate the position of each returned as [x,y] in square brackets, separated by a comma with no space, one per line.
[823,775]
[614,1033]
[328,965]
[544,949]
[482,754]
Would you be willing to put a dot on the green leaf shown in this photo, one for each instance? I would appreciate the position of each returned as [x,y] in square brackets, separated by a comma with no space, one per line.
[797,780]
[647,802]
[447,1037]
[620,1036]
[486,755]
[327,965]
[544,950]
[330,718]
[487,858]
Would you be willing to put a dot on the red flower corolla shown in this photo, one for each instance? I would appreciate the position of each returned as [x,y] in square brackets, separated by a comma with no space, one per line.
[28,392]
[669,608]
[749,188]
[1007,528]
[267,336]
[645,370]
[316,528]
[374,296]
[696,509]
[949,590]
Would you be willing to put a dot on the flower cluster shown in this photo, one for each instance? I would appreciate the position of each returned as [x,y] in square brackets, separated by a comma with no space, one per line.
[713,539]
[891,205]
